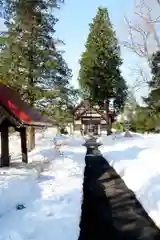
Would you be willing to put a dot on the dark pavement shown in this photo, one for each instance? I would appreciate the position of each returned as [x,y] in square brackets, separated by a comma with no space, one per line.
[110,210]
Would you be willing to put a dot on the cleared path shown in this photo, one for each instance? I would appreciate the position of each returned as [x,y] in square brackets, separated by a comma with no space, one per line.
[110,210]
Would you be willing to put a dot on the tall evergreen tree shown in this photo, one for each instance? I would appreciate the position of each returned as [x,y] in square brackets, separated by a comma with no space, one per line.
[30,61]
[100,76]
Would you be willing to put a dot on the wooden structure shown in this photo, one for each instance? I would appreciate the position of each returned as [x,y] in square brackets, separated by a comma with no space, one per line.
[18,114]
[89,118]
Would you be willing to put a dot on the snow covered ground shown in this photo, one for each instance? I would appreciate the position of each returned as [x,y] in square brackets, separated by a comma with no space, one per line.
[51,202]
[137,161]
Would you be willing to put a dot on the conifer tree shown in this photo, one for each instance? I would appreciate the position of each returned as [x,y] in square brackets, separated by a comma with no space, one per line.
[30,60]
[100,76]
[153,99]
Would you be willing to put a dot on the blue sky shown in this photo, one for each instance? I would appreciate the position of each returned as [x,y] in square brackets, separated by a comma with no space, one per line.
[73,29]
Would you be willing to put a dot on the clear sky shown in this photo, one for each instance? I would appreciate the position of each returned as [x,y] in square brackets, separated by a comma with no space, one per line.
[73,28]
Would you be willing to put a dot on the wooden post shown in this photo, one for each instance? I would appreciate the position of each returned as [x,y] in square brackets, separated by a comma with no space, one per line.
[5,159]
[31,138]
[24,144]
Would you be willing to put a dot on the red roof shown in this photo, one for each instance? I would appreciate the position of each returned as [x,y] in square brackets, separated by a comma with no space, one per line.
[22,111]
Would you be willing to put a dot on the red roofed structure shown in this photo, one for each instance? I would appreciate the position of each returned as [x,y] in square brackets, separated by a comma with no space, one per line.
[11,101]
[19,114]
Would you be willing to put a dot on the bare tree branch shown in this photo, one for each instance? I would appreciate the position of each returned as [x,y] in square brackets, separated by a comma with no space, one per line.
[151,24]
[141,78]
[139,46]
[142,31]
[143,37]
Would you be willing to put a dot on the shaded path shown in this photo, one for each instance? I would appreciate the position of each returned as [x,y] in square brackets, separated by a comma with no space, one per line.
[110,210]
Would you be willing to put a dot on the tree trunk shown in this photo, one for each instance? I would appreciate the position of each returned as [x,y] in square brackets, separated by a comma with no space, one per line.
[31,138]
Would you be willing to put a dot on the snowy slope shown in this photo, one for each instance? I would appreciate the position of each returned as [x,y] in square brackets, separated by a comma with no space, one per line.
[17,182]
[137,161]
[52,203]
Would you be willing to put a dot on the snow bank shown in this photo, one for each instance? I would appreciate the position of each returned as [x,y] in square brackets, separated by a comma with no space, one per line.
[15,188]
[18,182]
[116,138]
[69,140]
[137,161]
[53,201]
[64,196]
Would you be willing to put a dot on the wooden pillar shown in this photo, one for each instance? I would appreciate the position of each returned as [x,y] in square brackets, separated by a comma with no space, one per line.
[31,138]
[5,159]
[23,135]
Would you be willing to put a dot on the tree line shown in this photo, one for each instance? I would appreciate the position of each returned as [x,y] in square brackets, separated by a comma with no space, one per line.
[30,57]
[144,41]
[32,63]
[100,77]
[147,118]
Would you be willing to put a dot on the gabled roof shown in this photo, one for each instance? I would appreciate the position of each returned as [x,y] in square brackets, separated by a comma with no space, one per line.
[21,111]
[86,107]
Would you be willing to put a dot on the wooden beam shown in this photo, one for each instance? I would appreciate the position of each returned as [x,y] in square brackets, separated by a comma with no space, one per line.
[24,144]
[5,158]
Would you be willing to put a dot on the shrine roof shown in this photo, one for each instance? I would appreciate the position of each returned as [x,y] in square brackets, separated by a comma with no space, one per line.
[27,115]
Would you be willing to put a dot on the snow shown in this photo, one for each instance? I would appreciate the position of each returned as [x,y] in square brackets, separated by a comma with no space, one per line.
[51,200]
[137,161]
[50,187]
[15,187]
